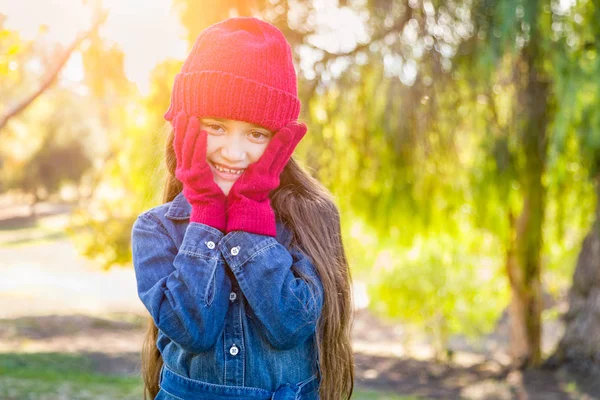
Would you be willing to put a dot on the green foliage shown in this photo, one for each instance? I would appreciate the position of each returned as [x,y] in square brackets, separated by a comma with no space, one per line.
[14,54]
[104,69]
[55,151]
[102,236]
[412,195]
[132,179]
[577,68]
[431,170]
[54,164]
[570,212]
[448,284]
[197,15]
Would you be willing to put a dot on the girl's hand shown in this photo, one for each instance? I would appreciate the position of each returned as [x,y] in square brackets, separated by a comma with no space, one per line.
[199,188]
[248,205]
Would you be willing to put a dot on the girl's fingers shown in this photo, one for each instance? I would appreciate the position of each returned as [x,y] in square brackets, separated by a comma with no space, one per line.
[199,165]
[200,151]
[280,142]
[189,142]
[269,158]
[281,158]
[291,136]
[280,149]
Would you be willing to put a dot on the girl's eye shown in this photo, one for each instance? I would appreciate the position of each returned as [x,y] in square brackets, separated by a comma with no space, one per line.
[259,135]
[214,127]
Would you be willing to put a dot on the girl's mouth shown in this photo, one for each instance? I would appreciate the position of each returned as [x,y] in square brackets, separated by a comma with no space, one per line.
[226,173]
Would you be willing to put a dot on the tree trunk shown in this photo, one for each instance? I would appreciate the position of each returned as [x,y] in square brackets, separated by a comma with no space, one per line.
[523,254]
[523,268]
[580,345]
[34,201]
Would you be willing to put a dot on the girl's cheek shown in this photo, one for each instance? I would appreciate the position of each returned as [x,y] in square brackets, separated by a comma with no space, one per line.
[212,143]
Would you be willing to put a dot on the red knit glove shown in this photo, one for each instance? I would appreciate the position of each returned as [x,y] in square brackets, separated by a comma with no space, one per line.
[199,188]
[248,204]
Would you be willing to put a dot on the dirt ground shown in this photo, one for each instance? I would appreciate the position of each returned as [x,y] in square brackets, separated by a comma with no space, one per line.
[56,301]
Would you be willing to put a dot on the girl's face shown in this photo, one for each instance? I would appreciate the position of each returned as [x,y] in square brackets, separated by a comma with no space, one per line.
[232,146]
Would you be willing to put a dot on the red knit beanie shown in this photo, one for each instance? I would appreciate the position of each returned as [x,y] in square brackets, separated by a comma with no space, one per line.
[240,69]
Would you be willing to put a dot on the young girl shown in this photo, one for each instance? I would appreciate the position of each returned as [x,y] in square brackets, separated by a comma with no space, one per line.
[242,269]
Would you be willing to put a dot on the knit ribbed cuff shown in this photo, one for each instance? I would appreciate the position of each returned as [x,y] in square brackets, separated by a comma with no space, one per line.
[249,216]
[211,216]
[224,95]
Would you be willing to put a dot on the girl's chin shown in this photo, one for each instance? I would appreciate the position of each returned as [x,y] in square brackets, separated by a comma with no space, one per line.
[224,185]
[224,182]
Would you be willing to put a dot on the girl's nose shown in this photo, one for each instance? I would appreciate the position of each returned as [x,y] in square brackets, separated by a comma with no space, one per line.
[233,149]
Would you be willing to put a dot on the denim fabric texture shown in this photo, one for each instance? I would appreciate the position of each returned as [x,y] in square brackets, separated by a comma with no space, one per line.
[236,313]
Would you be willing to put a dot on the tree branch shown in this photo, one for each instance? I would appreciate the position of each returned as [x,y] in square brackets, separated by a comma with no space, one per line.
[52,74]
[397,27]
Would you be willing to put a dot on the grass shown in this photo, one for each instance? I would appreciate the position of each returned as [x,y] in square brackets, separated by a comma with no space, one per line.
[45,376]
[51,376]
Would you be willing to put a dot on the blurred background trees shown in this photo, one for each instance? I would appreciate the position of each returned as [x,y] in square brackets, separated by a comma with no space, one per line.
[459,138]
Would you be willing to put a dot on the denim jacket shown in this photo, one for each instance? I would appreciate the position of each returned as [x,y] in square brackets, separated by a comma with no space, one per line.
[236,319]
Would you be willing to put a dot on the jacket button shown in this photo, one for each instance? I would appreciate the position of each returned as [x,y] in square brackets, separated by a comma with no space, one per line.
[210,245]
[233,350]
[235,250]
[232,296]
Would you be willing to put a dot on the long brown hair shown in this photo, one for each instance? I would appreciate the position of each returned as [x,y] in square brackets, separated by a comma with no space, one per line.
[305,205]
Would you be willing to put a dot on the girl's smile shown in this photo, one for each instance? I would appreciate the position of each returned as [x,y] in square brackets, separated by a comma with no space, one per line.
[227,174]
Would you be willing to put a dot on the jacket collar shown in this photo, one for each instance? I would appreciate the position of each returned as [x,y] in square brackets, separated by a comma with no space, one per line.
[180,208]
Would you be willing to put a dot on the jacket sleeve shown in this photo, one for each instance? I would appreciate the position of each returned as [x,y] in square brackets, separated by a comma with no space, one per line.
[267,272]
[186,290]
